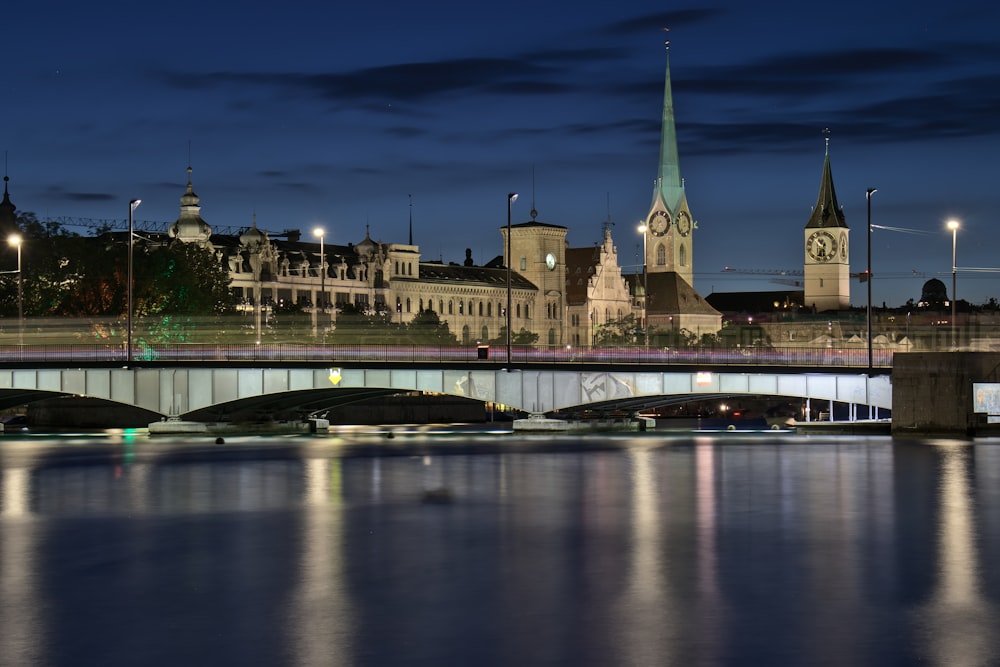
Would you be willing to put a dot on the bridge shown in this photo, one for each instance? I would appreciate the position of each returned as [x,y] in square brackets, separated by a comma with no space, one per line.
[209,386]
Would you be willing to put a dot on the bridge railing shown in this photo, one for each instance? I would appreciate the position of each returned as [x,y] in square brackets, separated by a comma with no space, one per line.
[333,354]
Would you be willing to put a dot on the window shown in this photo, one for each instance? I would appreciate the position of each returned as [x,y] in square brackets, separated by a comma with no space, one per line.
[661,255]
[489,309]
[461,308]
[480,309]
[451,308]
[552,336]
[524,263]
[466,336]
[683,255]
[519,310]
[485,334]
[407,304]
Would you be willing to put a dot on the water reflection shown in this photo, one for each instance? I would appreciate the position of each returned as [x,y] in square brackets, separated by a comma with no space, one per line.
[320,622]
[709,551]
[21,632]
[958,622]
[646,612]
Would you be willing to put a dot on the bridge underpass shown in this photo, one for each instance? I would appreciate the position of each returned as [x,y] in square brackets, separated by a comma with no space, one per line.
[197,393]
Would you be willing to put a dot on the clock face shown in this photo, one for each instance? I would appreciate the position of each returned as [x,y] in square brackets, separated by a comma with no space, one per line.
[659,223]
[843,245]
[550,261]
[821,246]
[684,223]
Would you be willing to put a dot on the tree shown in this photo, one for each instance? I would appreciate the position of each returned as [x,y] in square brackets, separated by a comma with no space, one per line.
[66,274]
[522,337]
[427,328]
[623,331]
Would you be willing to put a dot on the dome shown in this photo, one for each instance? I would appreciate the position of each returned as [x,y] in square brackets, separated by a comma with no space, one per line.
[934,292]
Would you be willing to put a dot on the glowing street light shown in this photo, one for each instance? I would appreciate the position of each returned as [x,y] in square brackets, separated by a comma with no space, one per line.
[132,205]
[16,241]
[953,226]
[868,196]
[645,286]
[511,198]
[319,232]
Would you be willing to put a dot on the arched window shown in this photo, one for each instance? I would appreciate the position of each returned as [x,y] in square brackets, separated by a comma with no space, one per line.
[489,309]
[466,337]
[526,316]
[470,308]
[407,304]
[461,308]
[440,306]
[421,304]
[552,336]
[485,334]
[661,255]
[683,255]
[451,308]
[519,310]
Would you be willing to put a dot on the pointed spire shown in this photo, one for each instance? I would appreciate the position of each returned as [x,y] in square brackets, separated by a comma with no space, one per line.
[670,186]
[827,212]
[534,211]
[8,216]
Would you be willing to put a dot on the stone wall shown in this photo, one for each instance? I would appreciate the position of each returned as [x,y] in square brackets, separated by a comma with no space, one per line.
[932,392]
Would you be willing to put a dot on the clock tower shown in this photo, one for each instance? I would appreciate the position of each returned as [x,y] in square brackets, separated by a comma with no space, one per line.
[669,225]
[827,256]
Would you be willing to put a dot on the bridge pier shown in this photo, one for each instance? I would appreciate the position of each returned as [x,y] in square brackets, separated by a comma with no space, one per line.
[539,423]
[933,393]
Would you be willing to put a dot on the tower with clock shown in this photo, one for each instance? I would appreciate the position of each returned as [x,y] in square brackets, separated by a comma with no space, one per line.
[538,254]
[827,254]
[670,301]
[669,226]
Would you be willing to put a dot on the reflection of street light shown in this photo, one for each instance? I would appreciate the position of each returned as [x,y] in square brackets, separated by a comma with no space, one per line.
[132,205]
[320,232]
[16,240]
[868,196]
[645,286]
[511,198]
[953,226]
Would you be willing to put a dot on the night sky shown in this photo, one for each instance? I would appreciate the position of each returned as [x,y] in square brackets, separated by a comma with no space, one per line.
[335,114]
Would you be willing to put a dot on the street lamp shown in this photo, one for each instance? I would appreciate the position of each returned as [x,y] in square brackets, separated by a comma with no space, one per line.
[319,232]
[868,196]
[132,205]
[953,226]
[16,240]
[645,287]
[511,198]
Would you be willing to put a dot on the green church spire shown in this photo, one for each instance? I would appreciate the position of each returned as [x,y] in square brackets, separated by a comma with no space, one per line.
[670,187]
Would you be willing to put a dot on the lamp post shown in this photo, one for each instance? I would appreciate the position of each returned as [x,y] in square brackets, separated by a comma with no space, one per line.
[132,205]
[320,233]
[953,226]
[511,198]
[868,196]
[16,240]
[645,287]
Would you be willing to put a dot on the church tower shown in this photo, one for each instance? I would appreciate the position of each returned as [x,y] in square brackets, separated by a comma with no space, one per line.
[8,213]
[827,256]
[669,226]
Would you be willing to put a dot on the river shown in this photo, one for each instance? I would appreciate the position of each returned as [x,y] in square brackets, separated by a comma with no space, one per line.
[479,548]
